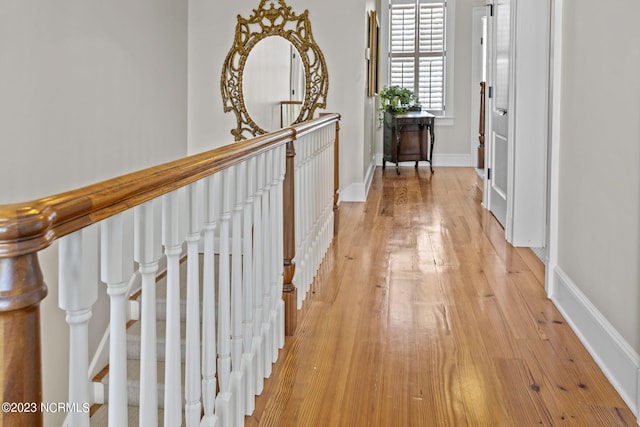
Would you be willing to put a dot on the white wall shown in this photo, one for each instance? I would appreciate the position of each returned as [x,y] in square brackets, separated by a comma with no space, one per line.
[599,185]
[339,29]
[88,91]
[594,240]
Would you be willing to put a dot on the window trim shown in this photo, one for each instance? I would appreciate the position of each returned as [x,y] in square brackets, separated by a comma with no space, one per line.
[447,118]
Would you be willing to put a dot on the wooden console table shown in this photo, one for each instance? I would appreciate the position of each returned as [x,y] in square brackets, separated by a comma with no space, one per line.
[408,137]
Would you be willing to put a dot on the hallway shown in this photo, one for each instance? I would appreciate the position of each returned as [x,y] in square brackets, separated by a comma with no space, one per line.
[422,315]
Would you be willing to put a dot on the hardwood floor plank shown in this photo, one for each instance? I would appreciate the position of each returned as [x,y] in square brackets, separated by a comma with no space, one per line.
[422,315]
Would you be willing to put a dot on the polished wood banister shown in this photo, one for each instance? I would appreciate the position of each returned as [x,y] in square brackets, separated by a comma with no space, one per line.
[32,226]
[311,125]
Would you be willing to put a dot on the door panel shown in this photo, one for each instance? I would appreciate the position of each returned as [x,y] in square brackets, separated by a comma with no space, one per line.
[500,71]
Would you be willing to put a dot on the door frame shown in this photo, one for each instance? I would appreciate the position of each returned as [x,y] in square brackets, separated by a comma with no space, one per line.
[478,13]
[527,222]
[553,190]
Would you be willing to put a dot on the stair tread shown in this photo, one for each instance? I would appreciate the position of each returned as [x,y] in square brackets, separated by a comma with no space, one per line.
[133,372]
[101,417]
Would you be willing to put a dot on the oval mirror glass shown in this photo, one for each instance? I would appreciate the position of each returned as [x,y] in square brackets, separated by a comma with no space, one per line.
[273,83]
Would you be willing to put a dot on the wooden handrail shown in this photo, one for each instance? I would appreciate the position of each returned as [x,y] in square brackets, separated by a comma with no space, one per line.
[32,226]
[307,127]
[26,228]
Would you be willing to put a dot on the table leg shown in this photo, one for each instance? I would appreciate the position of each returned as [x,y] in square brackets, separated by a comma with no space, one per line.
[432,140]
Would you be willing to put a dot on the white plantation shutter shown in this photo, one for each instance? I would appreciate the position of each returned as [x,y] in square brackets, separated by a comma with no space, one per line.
[402,72]
[403,28]
[417,49]
[431,83]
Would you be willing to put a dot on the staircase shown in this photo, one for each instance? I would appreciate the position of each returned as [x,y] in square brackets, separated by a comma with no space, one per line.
[99,416]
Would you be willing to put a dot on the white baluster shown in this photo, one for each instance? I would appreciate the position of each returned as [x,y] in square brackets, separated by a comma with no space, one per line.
[223,400]
[248,357]
[116,270]
[212,196]
[297,282]
[266,265]
[313,208]
[172,240]
[280,235]
[258,260]
[236,269]
[276,232]
[193,376]
[304,217]
[147,248]
[224,304]
[310,213]
[76,297]
[237,376]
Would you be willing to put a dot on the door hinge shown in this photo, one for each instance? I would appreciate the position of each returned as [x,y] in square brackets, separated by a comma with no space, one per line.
[490,95]
[489,173]
[490,6]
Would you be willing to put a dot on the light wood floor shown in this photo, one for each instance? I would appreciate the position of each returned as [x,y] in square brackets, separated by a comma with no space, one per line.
[422,315]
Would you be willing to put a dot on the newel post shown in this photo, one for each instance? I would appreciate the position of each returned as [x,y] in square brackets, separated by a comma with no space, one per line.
[289,291]
[21,290]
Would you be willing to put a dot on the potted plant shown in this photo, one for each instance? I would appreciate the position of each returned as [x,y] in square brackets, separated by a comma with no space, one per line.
[396,99]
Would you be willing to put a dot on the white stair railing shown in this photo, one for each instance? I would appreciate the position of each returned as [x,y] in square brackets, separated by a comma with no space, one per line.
[221,211]
[313,203]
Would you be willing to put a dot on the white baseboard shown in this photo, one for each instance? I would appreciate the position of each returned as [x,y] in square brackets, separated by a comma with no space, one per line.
[369,177]
[445,160]
[358,191]
[617,359]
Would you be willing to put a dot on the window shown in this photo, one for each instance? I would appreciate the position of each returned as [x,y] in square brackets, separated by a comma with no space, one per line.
[417,50]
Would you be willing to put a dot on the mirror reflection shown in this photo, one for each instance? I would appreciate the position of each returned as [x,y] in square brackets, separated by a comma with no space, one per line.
[273,83]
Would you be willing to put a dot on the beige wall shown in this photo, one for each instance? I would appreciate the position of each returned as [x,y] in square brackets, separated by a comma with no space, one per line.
[88,91]
[599,185]
[339,29]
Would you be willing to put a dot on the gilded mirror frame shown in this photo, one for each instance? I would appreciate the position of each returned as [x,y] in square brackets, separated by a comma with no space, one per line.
[266,21]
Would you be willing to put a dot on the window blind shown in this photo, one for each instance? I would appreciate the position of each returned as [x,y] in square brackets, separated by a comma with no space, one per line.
[418,50]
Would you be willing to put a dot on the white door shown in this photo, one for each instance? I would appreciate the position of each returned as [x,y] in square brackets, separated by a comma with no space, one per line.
[500,70]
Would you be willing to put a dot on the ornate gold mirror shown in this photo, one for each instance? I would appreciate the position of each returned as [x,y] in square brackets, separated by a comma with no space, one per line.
[274,61]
